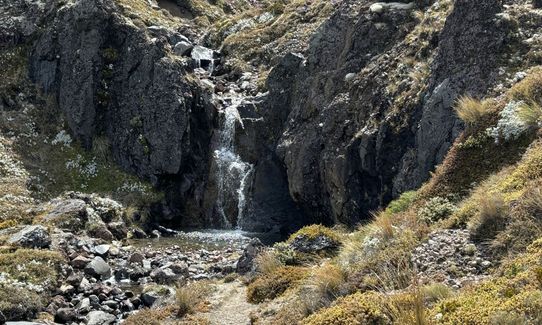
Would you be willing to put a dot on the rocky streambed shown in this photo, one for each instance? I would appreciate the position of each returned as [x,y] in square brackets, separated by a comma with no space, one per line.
[104,281]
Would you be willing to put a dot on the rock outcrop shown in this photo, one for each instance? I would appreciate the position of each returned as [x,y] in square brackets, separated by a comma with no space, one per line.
[117,80]
[347,144]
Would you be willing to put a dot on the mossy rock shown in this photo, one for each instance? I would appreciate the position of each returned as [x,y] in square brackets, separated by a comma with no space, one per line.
[314,239]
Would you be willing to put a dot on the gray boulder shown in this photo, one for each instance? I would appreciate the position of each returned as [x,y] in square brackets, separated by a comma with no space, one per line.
[98,268]
[246,261]
[35,236]
[100,318]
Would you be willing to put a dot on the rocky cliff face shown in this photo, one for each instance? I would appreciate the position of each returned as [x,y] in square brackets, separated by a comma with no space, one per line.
[349,143]
[363,114]
[115,79]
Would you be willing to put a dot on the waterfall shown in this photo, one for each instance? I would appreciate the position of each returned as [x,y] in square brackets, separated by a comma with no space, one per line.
[233,174]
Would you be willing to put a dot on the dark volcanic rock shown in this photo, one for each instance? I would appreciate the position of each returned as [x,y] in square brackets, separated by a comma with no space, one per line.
[246,261]
[31,236]
[321,243]
[344,148]
[111,78]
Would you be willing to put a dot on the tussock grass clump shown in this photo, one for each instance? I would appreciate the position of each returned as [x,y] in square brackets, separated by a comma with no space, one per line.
[267,262]
[189,297]
[491,218]
[272,285]
[472,110]
[531,114]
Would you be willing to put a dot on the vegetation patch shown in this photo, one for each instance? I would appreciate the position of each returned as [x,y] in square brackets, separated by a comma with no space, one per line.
[19,303]
[272,285]
[38,267]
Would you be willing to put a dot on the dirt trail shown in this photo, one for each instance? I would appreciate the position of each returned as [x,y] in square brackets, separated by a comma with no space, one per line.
[229,305]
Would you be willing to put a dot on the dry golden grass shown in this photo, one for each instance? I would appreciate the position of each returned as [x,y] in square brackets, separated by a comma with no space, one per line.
[267,262]
[191,297]
[472,110]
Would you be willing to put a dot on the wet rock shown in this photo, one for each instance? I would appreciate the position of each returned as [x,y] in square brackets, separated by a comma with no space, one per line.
[35,236]
[246,261]
[65,315]
[203,56]
[2,318]
[100,318]
[98,268]
[182,48]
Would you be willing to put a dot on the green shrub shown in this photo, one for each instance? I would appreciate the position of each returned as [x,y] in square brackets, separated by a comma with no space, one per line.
[402,203]
[437,208]
[272,285]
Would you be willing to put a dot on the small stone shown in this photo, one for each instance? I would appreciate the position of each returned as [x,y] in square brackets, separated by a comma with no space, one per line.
[66,289]
[102,250]
[136,258]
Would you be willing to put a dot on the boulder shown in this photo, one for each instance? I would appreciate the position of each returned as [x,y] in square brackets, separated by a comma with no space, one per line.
[98,268]
[70,214]
[182,48]
[246,261]
[35,236]
[65,315]
[164,276]
[320,243]
[118,229]
[100,318]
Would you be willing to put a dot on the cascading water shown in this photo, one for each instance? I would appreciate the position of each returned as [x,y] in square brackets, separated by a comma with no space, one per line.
[233,174]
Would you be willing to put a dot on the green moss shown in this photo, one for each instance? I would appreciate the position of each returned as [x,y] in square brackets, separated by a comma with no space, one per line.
[356,309]
[315,231]
[270,286]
